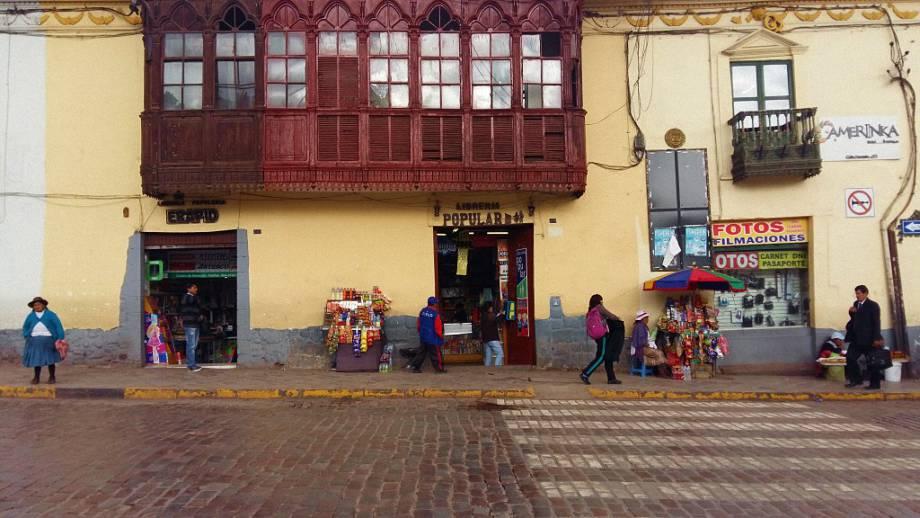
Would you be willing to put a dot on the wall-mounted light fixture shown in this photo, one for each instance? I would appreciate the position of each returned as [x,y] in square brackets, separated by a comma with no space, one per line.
[530,208]
[437,208]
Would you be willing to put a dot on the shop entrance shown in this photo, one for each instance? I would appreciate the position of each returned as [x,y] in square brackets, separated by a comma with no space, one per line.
[486,264]
[172,262]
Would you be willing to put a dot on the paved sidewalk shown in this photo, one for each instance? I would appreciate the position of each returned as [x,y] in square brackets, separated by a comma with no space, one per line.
[460,381]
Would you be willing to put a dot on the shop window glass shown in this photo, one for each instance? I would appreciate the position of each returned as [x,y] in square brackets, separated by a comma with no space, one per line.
[542,70]
[678,195]
[236,71]
[286,70]
[440,65]
[491,69]
[389,69]
[182,71]
[775,298]
[759,86]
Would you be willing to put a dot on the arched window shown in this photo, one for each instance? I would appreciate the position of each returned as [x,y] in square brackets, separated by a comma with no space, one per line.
[235,48]
[491,61]
[286,63]
[440,65]
[388,47]
[541,49]
[337,46]
[183,51]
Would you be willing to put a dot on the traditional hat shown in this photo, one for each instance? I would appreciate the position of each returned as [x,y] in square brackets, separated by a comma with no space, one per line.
[641,314]
[38,299]
[837,335]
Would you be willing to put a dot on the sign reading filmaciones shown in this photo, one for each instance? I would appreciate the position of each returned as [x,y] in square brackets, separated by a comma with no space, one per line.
[760,232]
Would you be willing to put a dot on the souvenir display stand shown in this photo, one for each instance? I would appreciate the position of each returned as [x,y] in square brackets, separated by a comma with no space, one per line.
[353,323]
[460,346]
[691,329]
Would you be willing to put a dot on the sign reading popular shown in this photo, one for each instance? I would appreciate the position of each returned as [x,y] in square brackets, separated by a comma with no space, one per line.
[760,232]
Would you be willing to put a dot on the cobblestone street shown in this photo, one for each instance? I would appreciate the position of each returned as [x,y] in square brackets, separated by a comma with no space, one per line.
[459,458]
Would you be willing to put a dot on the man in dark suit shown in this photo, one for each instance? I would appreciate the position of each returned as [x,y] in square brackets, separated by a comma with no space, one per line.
[864,334]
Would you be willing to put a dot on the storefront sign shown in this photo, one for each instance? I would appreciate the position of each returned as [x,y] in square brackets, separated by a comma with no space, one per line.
[178,216]
[760,232]
[201,261]
[521,292]
[763,260]
[736,261]
[482,219]
[860,138]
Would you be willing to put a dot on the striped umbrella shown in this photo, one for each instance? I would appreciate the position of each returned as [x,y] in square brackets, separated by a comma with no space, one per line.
[694,279]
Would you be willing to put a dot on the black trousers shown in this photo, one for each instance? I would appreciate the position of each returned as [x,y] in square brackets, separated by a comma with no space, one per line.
[853,372]
[609,349]
[430,351]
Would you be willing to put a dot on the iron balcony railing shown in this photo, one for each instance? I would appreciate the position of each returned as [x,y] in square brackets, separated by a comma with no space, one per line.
[775,143]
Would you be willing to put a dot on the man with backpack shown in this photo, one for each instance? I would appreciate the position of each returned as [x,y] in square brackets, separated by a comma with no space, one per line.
[609,332]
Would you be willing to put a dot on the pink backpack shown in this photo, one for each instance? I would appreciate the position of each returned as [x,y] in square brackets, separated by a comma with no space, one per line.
[597,326]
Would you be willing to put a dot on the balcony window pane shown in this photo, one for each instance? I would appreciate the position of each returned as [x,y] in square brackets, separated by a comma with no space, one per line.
[399,43]
[552,71]
[431,96]
[399,96]
[777,104]
[172,73]
[430,45]
[327,43]
[276,95]
[378,43]
[225,44]
[379,70]
[247,73]
[501,97]
[194,45]
[775,80]
[172,46]
[481,45]
[450,97]
[193,73]
[226,97]
[225,73]
[501,72]
[191,97]
[296,96]
[482,97]
[276,69]
[431,71]
[533,96]
[450,71]
[744,81]
[348,43]
[552,96]
[530,45]
[245,44]
[276,44]
[481,73]
[297,71]
[379,97]
[297,45]
[532,68]
[450,44]
[745,106]
[399,70]
[172,98]
[501,45]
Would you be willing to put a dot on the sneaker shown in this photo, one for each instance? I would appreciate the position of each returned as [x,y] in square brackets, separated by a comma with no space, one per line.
[196,369]
[584,379]
[416,371]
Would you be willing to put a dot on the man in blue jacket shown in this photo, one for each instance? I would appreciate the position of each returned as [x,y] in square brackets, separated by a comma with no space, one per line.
[431,337]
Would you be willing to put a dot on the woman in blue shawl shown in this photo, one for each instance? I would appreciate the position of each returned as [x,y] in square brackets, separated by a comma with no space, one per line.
[41,330]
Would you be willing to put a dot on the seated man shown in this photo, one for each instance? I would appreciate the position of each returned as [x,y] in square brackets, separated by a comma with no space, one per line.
[833,345]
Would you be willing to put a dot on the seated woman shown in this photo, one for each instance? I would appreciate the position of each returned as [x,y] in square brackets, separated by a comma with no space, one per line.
[642,350]
[833,345]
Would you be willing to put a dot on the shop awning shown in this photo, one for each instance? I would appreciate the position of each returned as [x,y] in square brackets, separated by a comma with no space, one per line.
[694,279]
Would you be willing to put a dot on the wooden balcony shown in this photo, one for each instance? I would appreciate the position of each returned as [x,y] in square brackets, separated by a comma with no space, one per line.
[775,143]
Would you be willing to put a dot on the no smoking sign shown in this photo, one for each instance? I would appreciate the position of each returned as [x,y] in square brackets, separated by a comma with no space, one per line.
[860,203]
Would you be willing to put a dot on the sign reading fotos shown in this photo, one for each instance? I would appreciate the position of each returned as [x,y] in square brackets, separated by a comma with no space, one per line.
[760,232]
[859,138]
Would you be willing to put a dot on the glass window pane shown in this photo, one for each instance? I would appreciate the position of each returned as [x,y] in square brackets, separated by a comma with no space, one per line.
[746,106]
[379,71]
[225,73]
[530,45]
[552,71]
[550,44]
[194,45]
[429,44]
[328,43]
[450,96]
[775,80]
[431,96]
[247,97]
[348,43]
[744,81]
[276,70]
[662,183]
[533,96]
[378,43]
[193,73]
[276,44]
[694,217]
[481,45]
[776,104]
[191,97]
[399,96]
[450,71]
[481,72]
[245,44]
[297,44]
[399,43]
[172,46]
[552,96]
[450,44]
[275,96]
[482,97]
[532,68]
[501,45]
[501,72]
[296,96]
[226,97]
[399,70]
[172,98]
[225,44]
[691,177]
[172,73]
[247,73]
[297,70]
[379,97]
[431,71]
[501,97]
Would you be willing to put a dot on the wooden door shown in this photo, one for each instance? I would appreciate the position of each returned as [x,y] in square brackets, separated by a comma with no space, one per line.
[519,332]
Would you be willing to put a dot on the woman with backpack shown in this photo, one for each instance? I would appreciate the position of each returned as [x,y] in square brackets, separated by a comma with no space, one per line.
[608,332]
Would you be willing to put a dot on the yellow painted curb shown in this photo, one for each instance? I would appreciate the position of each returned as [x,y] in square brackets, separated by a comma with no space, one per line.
[194,394]
[333,393]
[847,396]
[790,396]
[384,393]
[653,395]
[258,394]
[150,393]
[27,392]
[510,393]
[678,395]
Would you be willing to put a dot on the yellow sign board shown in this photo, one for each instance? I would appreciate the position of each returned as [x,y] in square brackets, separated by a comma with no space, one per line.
[760,232]
[783,259]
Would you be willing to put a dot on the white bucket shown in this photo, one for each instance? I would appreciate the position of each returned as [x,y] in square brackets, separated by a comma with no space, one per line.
[893,373]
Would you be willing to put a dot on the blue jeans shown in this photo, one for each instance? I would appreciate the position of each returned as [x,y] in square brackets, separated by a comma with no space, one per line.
[493,348]
[191,346]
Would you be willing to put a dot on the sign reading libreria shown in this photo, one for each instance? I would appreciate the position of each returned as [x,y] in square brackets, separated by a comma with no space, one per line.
[760,232]
[859,138]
